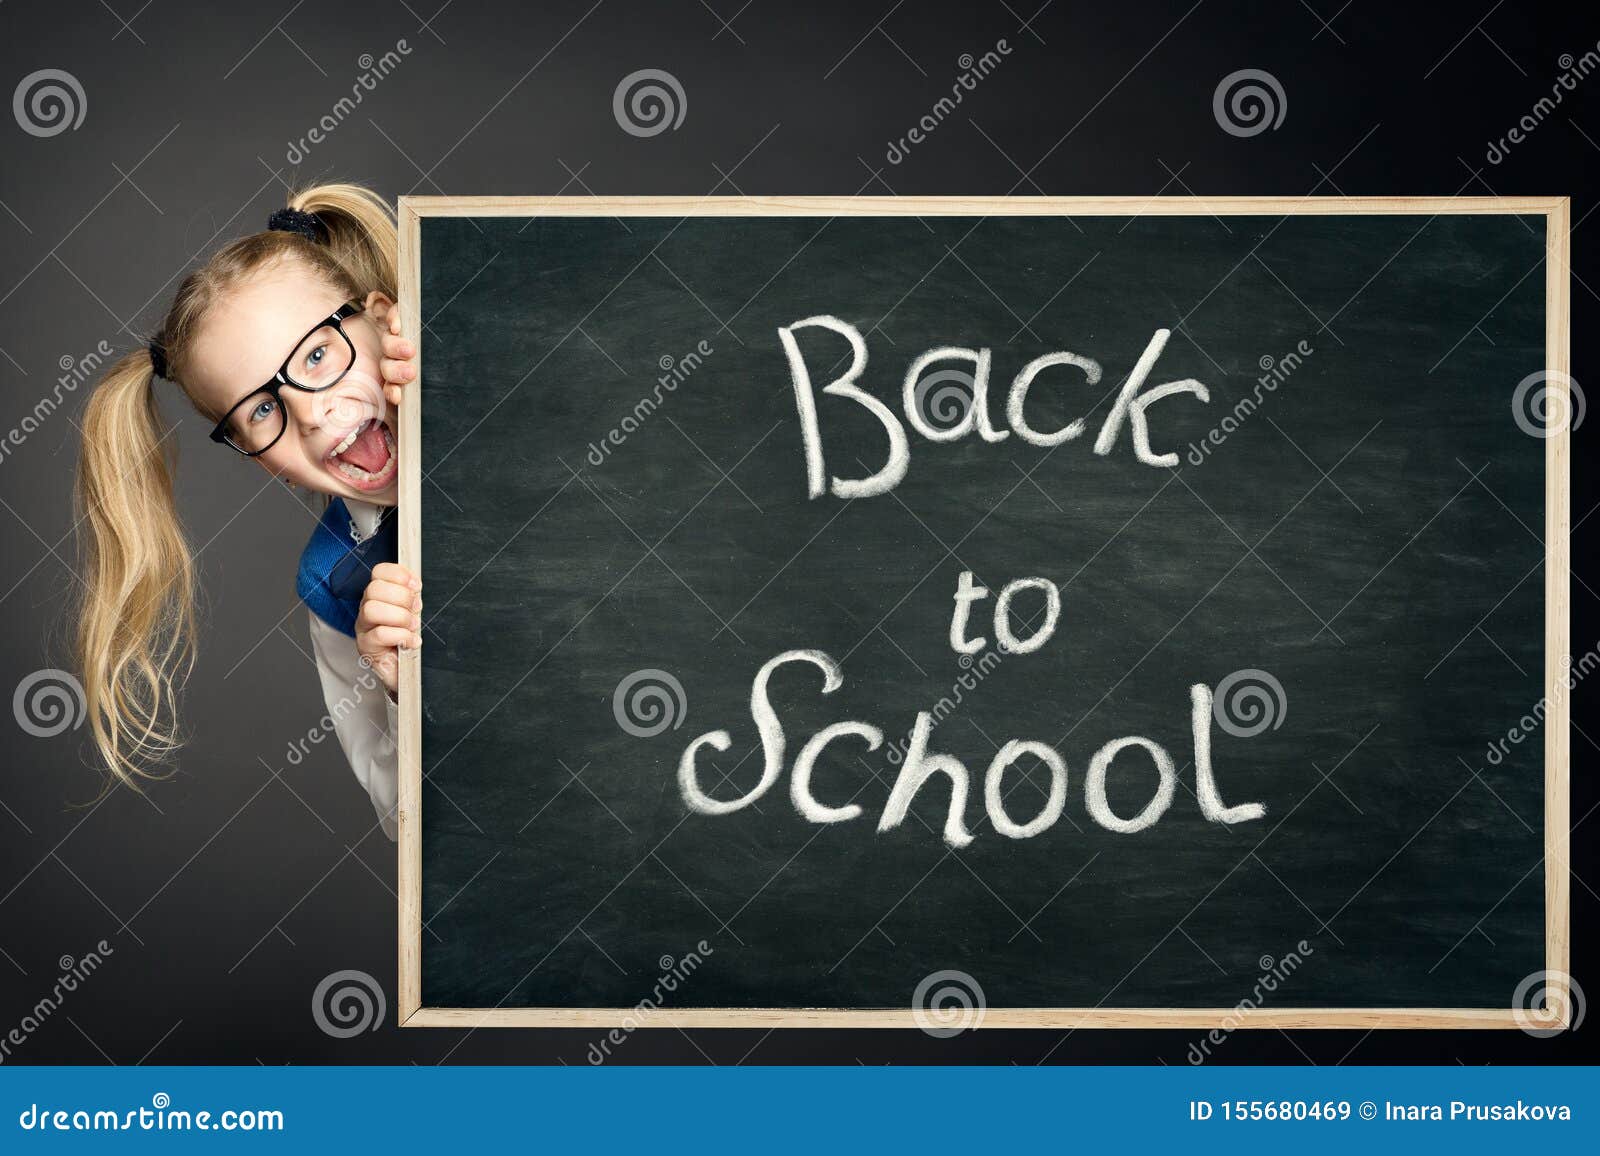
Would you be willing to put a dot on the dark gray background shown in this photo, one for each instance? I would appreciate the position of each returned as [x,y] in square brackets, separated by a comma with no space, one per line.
[229,892]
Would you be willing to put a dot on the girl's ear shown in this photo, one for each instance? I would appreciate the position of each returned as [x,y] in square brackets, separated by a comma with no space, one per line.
[379,305]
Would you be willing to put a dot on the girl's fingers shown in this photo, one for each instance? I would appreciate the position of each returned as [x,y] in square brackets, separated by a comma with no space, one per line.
[390,637]
[394,572]
[387,614]
[394,593]
[398,364]
[396,369]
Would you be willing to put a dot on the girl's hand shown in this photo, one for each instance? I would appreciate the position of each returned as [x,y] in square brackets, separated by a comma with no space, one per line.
[399,364]
[390,620]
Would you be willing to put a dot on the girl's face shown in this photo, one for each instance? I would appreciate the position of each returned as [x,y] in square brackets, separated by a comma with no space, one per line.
[339,440]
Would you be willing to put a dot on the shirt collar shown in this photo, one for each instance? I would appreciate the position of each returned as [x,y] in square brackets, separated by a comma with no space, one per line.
[364,518]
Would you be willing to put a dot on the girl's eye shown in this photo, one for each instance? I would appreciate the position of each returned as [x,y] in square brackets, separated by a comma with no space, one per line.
[262,411]
[315,357]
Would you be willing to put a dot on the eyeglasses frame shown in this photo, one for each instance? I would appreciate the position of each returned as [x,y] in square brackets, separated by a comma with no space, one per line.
[274,388]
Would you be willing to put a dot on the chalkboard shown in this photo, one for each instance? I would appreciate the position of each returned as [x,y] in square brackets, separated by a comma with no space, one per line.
[924,612]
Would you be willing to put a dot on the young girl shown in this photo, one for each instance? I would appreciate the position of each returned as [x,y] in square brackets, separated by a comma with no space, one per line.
[289,341]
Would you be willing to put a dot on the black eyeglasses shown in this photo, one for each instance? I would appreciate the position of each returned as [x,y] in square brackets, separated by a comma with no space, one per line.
[320,360]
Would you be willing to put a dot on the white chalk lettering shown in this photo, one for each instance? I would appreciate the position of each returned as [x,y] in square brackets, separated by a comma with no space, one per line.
[977,414]
[1131,405]
[920,766]
[899,457]
[1211,804]
[966,595]
[1008,642]
[1019,397]
[1094,787]
[800,781]
[968,592]
[994,802]
[767,726]
[1134,406]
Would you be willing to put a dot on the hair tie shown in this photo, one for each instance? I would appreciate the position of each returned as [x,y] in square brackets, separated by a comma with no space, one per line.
[308,225]
[158,358]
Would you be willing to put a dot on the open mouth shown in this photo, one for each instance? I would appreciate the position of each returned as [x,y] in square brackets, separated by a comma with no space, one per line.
[366,457]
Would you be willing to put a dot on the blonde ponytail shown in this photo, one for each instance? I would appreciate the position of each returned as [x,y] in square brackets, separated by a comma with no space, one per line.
[361,233]
[136,627]
[136,624]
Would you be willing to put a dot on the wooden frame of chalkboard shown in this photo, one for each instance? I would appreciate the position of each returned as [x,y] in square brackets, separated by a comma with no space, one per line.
[1555,210]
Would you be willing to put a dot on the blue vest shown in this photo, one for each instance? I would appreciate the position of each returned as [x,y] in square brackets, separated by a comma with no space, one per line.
[335,568]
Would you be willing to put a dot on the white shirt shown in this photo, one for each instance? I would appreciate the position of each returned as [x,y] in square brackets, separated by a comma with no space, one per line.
[360,710]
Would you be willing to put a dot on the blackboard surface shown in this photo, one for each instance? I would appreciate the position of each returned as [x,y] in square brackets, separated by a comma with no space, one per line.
[1368,534]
